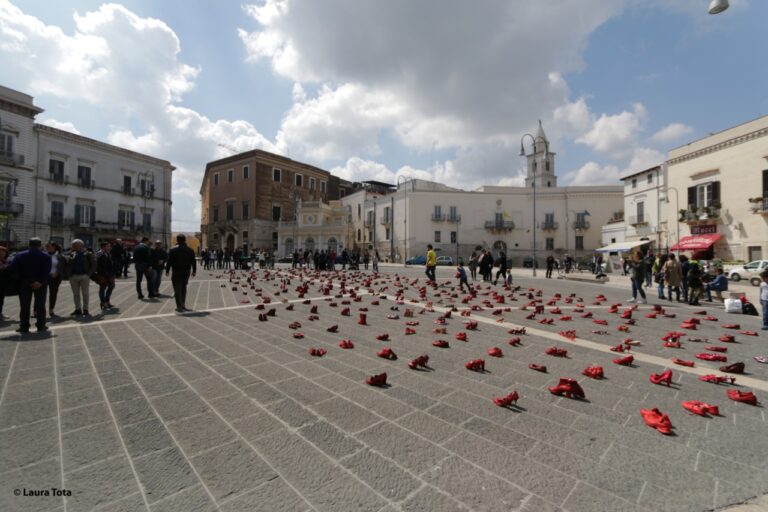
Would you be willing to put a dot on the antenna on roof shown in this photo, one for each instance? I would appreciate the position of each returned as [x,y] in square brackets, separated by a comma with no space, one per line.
[232,149]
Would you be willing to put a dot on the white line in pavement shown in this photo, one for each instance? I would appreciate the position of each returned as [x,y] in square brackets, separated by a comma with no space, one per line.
[646,358]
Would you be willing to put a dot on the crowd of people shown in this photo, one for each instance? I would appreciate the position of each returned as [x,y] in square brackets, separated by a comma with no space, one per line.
[238,258]
[35,275]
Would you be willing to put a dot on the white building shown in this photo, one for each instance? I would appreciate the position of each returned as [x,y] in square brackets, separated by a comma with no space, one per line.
[318,225]
[645,207]
[568,219]
[59,185]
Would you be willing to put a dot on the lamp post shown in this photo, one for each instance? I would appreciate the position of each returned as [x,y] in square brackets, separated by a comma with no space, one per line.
[677,218]
[533,182]
[717,6]
[403,180]
[293,195]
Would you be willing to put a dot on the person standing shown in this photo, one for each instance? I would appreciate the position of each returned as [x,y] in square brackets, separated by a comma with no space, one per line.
[637,268]
[550,266]
[473,265]
[684,265]
[672,276]
[764,298]
[649,260]
[105,275]
[33,267]
[376,261]
[181,259]
[5,277]
[158,257]
[142,262]
[81,264]
[502,268]
[58,271]
[431,263]
[366,258]
[117,253]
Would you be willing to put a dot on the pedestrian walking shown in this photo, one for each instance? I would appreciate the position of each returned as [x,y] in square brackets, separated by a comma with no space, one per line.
[81,265]
[637,268]
[461,275]
[376,259]
[142,263]
[473,265]
[33,267]
[550,266]
[764,298]
[502,268]
[672,276]
[181,260]
[158,257]
[695,284]
[105,275]
[58,273]
[431,264]
[117,253]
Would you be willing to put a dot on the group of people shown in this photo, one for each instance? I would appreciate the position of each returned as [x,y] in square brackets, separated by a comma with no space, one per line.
[482,261]
[684,277]
[328,260]
[36,274]
[239,258]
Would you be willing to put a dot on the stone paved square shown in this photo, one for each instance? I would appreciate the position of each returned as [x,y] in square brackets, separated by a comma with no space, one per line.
[144,409]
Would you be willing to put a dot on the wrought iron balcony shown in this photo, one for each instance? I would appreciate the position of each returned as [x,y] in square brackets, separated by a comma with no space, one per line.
[498,225]
[638,220]
[86,183]
[10,158]
[454,218]
[61,179]
[759,205]
[580,224]
[549,226]
[438,217]
[128,190]
[9,207]
[386,220]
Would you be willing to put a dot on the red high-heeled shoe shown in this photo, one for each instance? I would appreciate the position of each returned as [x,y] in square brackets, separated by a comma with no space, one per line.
[409,331]
[538,367]
[387,353]
[377,380]
[717,379]
[514,342]
[556,352]
[746,397]
[346,344]
[419,362]
[733,368]
[298,335]
[682,362]
[727,338]
[749,333]
[715,348]
[506,401]
[345,312]
[701,408]
[618,348]
[333,328]
[662,378]
[313,309]
[594,372]
[461,336]
[317,352]
[711,357]
[495,352]
[440,344]
[567,387]
[655,419]
[731,326]
[362,319]
[624,361]
[383,336]
[672,344]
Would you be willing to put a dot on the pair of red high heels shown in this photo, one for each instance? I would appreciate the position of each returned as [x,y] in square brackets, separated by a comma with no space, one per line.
[383,336]
[538,367]
[420,362]
[746,397]
[346,344]
[506,401]
[624,361]
[568,387]
[656,419]
[377,380]
[557,352]
[701,408]
[662,378]
[387,353]
[317,352]
[594,372]
[495,352]
[475,365]
[440,344]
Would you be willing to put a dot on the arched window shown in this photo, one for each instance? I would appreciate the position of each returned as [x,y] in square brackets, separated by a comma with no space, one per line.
[309,243]
[359,214]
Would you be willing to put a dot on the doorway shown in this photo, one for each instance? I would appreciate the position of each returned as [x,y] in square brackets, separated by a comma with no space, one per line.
[754,253]
[231,243]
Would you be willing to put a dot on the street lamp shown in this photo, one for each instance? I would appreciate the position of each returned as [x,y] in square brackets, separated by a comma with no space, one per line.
[533,181]
[403,180]
[717,6]
[294,196]
[676,215]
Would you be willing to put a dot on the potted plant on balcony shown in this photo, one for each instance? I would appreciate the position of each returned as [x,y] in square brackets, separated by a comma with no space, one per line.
[682,214]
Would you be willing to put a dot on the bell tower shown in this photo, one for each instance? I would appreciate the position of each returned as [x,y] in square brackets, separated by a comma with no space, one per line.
[541,163]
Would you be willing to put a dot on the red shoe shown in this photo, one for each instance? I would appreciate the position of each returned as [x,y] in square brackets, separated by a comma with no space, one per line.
[289,307]
[715,348]
[440,321]
[461,336]
[624,361]
[618,348]
[731,326]
[662,378]
[506,401]
[672,344]
[298,335]
[682,362]
[650,315]
[710,318]
[557,352]
[262,317]
[412,323]
[689,326]
[733,368]
[409,331]
[317,352]
[313,309]
[727,338]
[363,319]
[600,322]
[571,335]
[475,365]
[345,312]
[655,419]
[588,314]
[514,342]
[748,333]
[695,407]
[419,362]
[495,352]
[538,367]
[471,325]
[706,356]
[333,328]
[717,379]
[383,337]
[294,325]
[595,372]
[377,380]
[440,344]
[518,331]
[746,397]
[567,387]
[346,344]
[626,314]
[387,353]
[440,330]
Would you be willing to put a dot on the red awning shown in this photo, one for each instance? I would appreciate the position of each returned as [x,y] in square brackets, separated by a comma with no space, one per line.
[695,242]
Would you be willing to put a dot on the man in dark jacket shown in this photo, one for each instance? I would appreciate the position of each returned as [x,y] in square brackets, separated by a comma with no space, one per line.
[181,259]
[33,267]
[118,254]
[158,256]
[142,259]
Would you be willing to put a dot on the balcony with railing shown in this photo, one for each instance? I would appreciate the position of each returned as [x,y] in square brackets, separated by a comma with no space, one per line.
[438,217]
[549,225]
[11,207]
[759,205]
[638,220]
[499,225]
[696,214]
[60,178]
[455,218]
[580,225]
[11,158]
[385,220]
[86,183]
[128,190]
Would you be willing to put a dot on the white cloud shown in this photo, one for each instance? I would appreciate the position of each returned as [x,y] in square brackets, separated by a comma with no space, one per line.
[573,117]
[615,135]
[593,173]
[672,132]
[61,125]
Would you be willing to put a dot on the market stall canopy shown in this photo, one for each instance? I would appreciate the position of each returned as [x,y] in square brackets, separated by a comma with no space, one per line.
[623,246]
[695,242]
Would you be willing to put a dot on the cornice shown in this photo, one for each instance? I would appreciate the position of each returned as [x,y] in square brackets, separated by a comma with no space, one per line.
[22,110]
[734,141]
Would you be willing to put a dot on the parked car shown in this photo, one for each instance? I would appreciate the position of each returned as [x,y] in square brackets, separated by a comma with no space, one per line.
[528,262]
[444,260]
[749,271]
[417,260]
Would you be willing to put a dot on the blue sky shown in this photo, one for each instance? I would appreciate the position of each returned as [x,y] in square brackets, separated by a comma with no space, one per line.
[372,89]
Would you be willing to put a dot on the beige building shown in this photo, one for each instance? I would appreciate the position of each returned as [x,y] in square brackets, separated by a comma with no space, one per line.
[319,226]
[718,192]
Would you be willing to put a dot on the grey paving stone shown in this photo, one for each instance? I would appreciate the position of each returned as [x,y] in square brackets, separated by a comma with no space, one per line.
[89,444]
[199,433]
[164,473]
[429,498]
[192,499]
[29,390]
[412,398]
[78,398]
[115,379]
[231,469]
[345,414]
[235,407]
[378,403]
[123,393]
[304,391]
[274,495]
[43,475]
[263,393]
[179,405]
[292,413]
[29,411]
[20,446]
[329,439]
[100,483]
[474,487]
[194,370]
[130,503]
[682,499]
[79,417]
[386,477]
[132,411]
[407,449]
[588,499]
[145,437]
[503,436]
[20,376]
[270,372]
[162,385]
[449,413]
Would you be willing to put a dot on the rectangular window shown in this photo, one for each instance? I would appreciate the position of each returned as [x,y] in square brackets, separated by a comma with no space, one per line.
[453,214]
[387,215]
[312,183]
[276,212]
[550,244]
[387,233]
[437,237]
[438,211]
[57,213]
[581,218]
[323,187]
[126,219]
[453,237]
[85,215]
[634,182]
[230,211]
[6,144]
[215,213]
[277,175]
[245,236]
[298,180]
[84,176]
[246,172]
[640,212]
[549,219]
[704,195]
[650,178]
[498,217]
[56,170]
[126,185]
[146,221]
[215,179]
[230,175]
[246,210]
[579,243]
